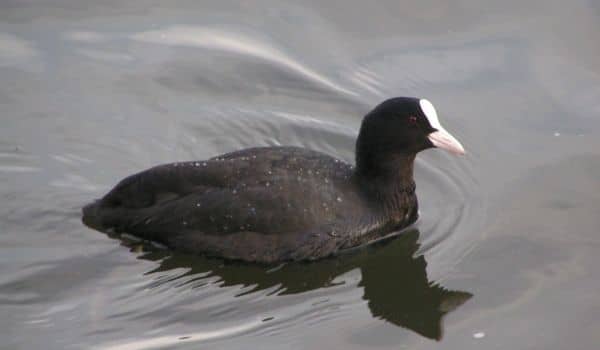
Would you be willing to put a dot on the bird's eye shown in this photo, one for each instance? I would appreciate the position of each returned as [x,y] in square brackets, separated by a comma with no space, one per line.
[412,120]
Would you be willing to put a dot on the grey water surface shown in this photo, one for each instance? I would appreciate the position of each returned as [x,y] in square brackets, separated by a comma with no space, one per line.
[506,253]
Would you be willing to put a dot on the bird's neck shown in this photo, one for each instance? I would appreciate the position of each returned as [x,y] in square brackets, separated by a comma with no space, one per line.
[388,179]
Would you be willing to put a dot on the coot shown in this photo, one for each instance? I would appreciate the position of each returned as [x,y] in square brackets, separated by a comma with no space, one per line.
[272,204]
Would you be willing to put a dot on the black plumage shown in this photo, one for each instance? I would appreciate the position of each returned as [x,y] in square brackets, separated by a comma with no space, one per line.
[274,204]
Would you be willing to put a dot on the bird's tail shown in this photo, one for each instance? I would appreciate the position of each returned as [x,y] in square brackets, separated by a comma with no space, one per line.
[92,216]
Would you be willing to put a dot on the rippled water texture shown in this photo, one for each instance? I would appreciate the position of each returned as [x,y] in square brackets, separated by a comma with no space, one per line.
[504,256]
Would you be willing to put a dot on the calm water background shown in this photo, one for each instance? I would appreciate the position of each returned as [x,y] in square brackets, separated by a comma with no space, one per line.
[507,247]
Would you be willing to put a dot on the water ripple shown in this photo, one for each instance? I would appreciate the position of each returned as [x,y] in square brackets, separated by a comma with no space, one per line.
[236,43]
[171,340]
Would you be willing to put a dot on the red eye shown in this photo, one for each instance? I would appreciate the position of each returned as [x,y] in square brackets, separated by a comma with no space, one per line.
[412,120]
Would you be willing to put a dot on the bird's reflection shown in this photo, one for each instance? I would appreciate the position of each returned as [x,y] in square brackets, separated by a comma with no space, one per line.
[395,281]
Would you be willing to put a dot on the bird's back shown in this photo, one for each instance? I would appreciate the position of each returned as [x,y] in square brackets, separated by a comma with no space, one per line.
[257,204]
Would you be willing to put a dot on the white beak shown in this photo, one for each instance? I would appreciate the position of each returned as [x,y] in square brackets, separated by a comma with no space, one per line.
[443,139]
[440,138]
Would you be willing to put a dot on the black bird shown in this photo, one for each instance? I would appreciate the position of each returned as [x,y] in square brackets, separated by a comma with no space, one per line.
[274,204]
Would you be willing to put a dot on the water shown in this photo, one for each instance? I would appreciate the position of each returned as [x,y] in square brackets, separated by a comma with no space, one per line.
[505,252]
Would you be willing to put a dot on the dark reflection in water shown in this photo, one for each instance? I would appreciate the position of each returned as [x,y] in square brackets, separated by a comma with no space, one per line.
[394,279]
